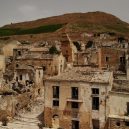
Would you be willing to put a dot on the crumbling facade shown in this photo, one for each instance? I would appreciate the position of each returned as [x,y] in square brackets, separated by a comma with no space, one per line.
[82,82]
[88,58]
[77,101]
[40,57]
[119,105]
[67,48]
[110,58]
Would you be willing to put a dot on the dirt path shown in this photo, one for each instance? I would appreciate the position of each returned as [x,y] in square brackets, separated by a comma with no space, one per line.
[27,120]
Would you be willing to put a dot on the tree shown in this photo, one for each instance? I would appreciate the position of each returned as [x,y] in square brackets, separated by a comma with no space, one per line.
[89,44]
[78,46]
[53,50]
[121,39]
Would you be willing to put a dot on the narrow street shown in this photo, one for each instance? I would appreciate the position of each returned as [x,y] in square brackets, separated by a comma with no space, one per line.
[27,120]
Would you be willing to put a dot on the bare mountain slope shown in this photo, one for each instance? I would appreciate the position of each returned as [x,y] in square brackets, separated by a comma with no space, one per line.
[74,22]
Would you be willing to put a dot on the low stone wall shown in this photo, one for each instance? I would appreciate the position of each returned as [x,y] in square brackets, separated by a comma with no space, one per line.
[7,106]
[65,119]
[118,124]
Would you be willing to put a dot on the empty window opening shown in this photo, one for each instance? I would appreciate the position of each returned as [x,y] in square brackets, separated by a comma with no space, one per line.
[95,124]
[95,103]
[74,105]
[28,90]
[16,78]
[19,53]
[55,91]
[127,108]
[127,123]
[60,68]
[107,59]
[30,96]
[118,123]
[95,91]
[20,77]
[123,45]
[122,60]
[75,124]
[74,92]
[55,102]
[17,65]
[39,91]
[39,74]
[44,68]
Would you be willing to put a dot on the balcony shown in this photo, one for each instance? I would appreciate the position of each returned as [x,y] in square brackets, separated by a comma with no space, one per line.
[56,99]
[74,100]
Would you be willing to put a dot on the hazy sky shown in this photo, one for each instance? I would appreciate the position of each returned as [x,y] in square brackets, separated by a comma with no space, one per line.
[24,10]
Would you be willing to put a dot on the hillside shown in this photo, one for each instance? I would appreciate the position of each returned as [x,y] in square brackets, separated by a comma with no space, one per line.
[74,22]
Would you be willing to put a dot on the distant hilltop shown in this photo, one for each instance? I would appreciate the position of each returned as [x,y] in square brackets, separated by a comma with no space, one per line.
[95,22]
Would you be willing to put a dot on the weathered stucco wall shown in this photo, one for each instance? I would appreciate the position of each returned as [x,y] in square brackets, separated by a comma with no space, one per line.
[84,113]
[118,103]
[8,49]
[2,63]
[113,56]
[7,103]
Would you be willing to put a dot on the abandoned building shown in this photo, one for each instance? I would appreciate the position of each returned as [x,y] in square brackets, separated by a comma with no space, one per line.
[86,58]
[119,105]
[2,63]
[68,49]
[52,64]
[113,59]
[83,82]
[77,99]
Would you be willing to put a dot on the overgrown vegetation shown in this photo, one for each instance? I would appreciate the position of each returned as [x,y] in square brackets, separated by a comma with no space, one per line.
[121,39]
[89,44]
[110,28]
[78,46]
[53,50]
[41,29]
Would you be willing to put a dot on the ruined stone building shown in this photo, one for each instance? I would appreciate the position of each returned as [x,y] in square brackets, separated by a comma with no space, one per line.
[7,104]
[67,48]
[111,58]
[39,57]
[2,63]
[86,58]
[77,99]
[6,51]
[8,48]
[119,105]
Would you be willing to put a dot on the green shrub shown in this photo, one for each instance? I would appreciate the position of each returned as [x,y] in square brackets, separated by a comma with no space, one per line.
[37,30]
[89,44]
[53,50]
[78,46]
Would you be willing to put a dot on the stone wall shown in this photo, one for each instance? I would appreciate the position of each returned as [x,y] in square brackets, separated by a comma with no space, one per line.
[51,66]
[65,118]
[113,55]
[2,63]
[118,124]
[118,103]
[84,113]
[7,104]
